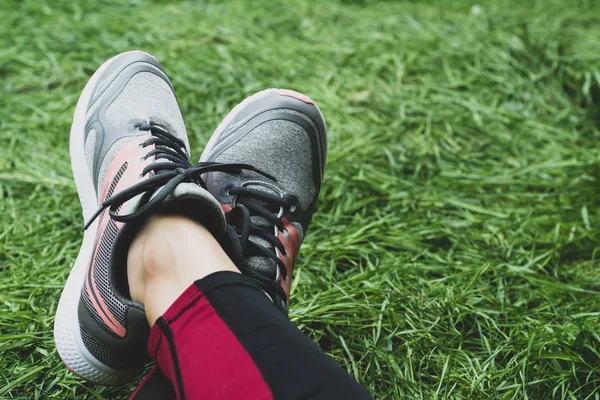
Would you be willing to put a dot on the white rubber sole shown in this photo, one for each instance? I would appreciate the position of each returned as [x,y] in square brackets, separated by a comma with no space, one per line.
[67,334]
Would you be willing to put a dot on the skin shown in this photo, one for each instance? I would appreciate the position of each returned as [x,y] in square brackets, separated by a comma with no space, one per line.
[168,254]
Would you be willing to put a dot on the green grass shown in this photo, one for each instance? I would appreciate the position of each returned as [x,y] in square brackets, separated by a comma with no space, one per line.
[454,251]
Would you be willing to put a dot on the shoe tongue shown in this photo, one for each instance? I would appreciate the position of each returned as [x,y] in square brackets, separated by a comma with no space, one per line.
[264,265]
[258,261]
[270,188]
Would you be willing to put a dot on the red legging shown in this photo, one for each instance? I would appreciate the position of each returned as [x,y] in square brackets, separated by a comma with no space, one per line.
[224,339]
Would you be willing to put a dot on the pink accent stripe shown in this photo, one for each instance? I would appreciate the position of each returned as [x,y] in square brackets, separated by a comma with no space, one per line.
[291,247]
[100,306]
[130,153]
[295,95]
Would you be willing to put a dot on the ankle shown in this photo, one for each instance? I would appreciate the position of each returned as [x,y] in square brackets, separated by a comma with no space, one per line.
[168,254]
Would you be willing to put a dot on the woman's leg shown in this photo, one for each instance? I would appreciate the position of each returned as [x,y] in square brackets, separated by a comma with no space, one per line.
[215,333]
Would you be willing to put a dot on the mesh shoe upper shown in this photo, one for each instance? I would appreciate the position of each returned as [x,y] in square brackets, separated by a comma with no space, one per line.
[137,154]
[283,134]
[131,91]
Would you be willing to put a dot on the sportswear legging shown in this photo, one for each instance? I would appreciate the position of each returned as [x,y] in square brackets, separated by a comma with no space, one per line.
[224,339]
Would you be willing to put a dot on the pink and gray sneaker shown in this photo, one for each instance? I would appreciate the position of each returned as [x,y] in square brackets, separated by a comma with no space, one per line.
[130,159]
[283,134]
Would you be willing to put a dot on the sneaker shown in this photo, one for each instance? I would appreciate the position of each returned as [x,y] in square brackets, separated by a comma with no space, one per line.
[130,158]
[283,134]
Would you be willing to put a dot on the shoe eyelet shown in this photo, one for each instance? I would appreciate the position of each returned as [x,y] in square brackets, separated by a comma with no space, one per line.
[226,190]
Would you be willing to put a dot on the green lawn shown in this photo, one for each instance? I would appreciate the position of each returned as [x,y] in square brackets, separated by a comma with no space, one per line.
[454,251]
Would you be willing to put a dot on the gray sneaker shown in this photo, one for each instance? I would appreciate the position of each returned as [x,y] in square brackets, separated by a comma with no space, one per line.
[130,158]
[282,134]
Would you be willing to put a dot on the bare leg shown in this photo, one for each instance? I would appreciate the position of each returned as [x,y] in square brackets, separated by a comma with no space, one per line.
[168,255]
[215,332]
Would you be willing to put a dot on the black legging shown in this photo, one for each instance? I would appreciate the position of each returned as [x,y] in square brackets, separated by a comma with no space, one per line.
[223,338]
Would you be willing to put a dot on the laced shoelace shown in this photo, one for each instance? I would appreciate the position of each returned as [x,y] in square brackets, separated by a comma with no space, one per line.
[250,203]
[171,167]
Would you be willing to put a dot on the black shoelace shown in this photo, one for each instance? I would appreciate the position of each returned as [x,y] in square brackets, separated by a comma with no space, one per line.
[250,203]
[171,167]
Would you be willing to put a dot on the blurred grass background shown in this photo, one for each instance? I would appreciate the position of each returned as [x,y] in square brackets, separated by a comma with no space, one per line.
[454,251]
